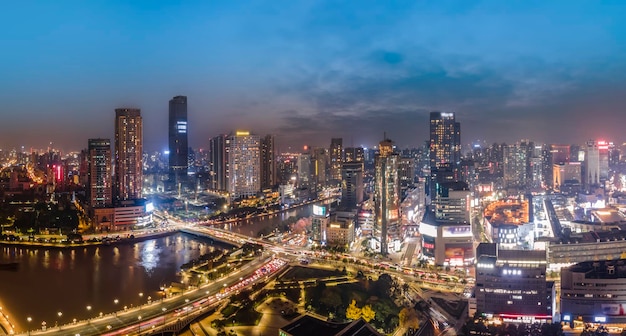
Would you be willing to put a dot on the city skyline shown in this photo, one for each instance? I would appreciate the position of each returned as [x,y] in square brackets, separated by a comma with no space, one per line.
[308,72]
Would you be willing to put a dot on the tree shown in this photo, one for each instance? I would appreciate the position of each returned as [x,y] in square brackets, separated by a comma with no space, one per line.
[353,312]
[367,313]
[408,318]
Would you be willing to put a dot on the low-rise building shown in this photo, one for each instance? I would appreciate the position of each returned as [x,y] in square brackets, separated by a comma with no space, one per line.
[593,292]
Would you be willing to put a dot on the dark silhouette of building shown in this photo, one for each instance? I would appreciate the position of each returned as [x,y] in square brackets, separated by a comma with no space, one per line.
[179,150]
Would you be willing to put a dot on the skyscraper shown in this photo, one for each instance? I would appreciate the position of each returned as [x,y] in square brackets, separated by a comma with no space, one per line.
[354,154]
[445,148]
[100,177]
[179,150]
[219,147]
[386,194]
[515,166]
[351,184]
[336,158]
[268,162]
[244,161]
[128,153]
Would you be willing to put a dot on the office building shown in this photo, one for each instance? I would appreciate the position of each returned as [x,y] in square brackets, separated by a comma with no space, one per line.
[445,148]
[336,158]
[128,154]
[320,167]
[340,232]
[268,162]
[178,145]
[512,285]
[386,194]
[351,184]
[219,148]
[100,175]
[319,223]
[306,169]
[354,154]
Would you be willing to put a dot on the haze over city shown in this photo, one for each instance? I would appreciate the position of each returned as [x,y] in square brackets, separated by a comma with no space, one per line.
[307,71]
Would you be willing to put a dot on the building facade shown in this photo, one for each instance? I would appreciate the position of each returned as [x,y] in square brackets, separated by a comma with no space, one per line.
[512,285]
[178,144]
[128,154]
[244,162]
[100,176]
[386,194]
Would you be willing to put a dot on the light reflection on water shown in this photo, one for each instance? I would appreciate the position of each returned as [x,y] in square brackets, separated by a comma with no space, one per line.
[67,280]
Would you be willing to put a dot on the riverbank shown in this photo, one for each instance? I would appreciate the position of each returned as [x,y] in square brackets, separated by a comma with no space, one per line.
[125,237]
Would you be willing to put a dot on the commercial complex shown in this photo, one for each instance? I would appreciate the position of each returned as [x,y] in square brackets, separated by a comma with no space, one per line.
[512,285]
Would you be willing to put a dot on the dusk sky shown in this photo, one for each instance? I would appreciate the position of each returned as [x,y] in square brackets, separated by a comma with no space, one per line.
[551,71]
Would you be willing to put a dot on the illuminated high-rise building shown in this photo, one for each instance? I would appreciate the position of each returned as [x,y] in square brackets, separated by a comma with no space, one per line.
[445,148]
[128,153]
[268,161]
[305,170]
[354,154]
[244,161]
[336,158]
[516,166]
[386,194]
[100,178]
[320,165]
[179,149]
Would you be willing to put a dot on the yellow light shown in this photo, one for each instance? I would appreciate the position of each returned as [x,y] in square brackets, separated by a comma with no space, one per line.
[242,133]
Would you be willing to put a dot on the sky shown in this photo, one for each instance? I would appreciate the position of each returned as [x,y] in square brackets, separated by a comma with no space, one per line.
[306,71]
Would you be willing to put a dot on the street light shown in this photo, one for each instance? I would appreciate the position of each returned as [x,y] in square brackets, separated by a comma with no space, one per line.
[116,301]
[57,322]
[29,319]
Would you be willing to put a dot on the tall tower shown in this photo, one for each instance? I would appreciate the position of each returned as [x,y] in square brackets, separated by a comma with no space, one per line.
[100,177]
[128,153]
[179,149]
[336,158]
[515,166]
[351,184]
[268,161]
[387,194]
[218,162]
[244,160]
[445,148]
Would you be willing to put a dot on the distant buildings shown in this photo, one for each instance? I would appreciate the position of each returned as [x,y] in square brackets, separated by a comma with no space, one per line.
[128,154]
[178,145]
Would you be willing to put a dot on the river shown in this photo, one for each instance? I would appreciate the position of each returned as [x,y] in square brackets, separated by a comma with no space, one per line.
[68,280]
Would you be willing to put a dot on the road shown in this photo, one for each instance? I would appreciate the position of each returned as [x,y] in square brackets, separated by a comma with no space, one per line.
[171,309]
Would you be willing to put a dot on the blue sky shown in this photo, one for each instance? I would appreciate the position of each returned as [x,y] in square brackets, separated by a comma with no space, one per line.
[551,71]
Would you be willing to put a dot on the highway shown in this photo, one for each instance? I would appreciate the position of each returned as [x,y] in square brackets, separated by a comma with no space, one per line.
[170,310]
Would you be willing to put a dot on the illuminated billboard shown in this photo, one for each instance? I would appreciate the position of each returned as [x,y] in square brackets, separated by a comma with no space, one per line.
[428,230]
[457,231]
[149,207]
[319,210]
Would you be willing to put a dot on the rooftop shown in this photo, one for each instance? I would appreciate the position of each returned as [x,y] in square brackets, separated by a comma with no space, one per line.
[307,325]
